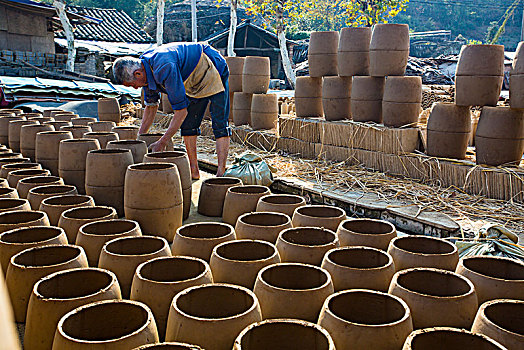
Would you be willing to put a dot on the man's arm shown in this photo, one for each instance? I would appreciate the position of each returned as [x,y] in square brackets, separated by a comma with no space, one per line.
[148,118]
[176,122]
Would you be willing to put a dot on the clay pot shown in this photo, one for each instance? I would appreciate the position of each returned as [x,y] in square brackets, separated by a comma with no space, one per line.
[16,240]
[401,104]
[477,90]
[199,239]
[102,137]
[336,97]
[65,117]
[8,155]
[366,99]
[359,268]
[308,97]
[14,176]
[31,115]
[219,309]
[481,60]
[366,232]
[264,111]
[58,124]
[157,281]
[22,218]
[242,108]
[8,193]
[14,128]
[28,138]
[27,183]
[169,346]
[30,265]
[83,121]
[493,277]
[72,219]
[57,294]
[4,127]
[436,297]
[516,80]
[108,324]
[165,104]
[422,251]
[318,216]
[37,194]
[366,319]
[102,126]
[47,148]
[264,226]
[353,51]
[450,339]
[306,245]
[77,131]
[15,111]
[54,112]
[322,53]
[109,109]
[126,132]
[8,329]
[3,183]
[236,66]
[280,203]
[240,200]
[255,75]
[138,148]
[153,137]
[54,206]
[72,160]
[9,204]
[389,49]
[8,168]
[41,120]
[238,262]
[212,194]
[501,321]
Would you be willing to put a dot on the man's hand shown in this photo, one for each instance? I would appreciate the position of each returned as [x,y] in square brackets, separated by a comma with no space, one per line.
[158,146]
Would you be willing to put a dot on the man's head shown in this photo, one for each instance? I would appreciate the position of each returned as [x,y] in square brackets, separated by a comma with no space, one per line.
[129,71]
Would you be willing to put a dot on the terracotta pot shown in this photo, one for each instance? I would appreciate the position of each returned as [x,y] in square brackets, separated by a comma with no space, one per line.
[501,321]
[353,51]
[322,53]
[157,281]
[516,84]
[102,137]
[14,176]
[66,117]
[126,132]
[450,339]
[3,183]
[109,109]
[77,131]
[308,97]
[470,64]
[264,226]
[16,240]
[169,346]
[238,262]
[359,268]
[240,200]
[242,108]
[32,114]
[477,90]
[366,232]
[9,204]
[264,111]
[8,329]
[47,148]
[30,265]
[108,324]
[138,148]
[387,62]
[212,194]
[72,219]
[366,319]
[280,203]
[83,121]
[16,111]
[72,160]
[4,127]
[41,120]
[306,245]
[255,75]
[235,65]
[199,239]
[9,155]
[37,194]
[318,216]
[336,106]
[219,309]
[57,124]
[28,138]
[493,277]
[366,99]
[399,114]
[57,294]
[54,206]
[54,112]
[8,168]
[14,128]
[8,193]
[390,37]
[27,183]
[153,137]
[403,89]
[21,218]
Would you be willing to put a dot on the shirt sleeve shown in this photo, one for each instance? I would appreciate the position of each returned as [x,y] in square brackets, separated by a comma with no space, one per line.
[170,78]
[151,97]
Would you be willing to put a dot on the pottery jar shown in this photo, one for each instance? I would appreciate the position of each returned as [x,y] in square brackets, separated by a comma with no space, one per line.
[154,137]
[41,120]
[72,219]
[306,245]
[54,206]
[37,194]
[336,98]
[199,239]
[264,226]
[102,137]
[94,235]
[65,117]
[4,183]
[366,232]
[165,105]
[15,111]
[83,121]
[501,320]
[8,331]
[493,277]
[27,183]
[10,204]
[212,194]
[240,200]
[47,148]
[10,167]
[366,99]
[292,290]
[157,281]
[516,79]
[7,192]
[211,315]
[15,176]
[423,251]
[14,160]
[255,75]
[51,112]
[280,203]
[236,67]
[264,111]
[449,338]
[107,324]
[4,127]
[58,124]
[322,53]
[8,155]
[242,108]
[359,268]
[58,293]
[318,216]
[128,132]
[72,160]
[353,51]
[388,49]
[308,97]
[401,104]
[123,255]
[102,126]
[14,129]
[366,319]
[138,148]
[22,218]
[169,346]
[30,265]
[77,131]
[238,262]
[28,138]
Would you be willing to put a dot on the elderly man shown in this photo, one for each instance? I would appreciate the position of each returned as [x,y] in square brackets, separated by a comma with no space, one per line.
[192,75]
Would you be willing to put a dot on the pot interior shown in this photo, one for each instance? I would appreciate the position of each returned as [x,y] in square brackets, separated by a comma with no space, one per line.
[87,213]
[6,190]
[172,269]
[368,227]
[51,189]
[311,236]
[138,245]
[249,189]
[66,200]
[31,234]
[8,203]
[245,250]
[152,166]
[76,283]
[359,258]
[320,211]
[20,217]
[291,276]
[496,268]
[168,154]
[47,256]
[507,315]
[264,219]
[28,172]
[424,245]
[109,227]
[222,181]
[282,199]
[434,283]
[450,340]
[40,180]
[205,230]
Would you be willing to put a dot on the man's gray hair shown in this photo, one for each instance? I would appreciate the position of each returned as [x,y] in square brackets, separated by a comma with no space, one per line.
[124,67]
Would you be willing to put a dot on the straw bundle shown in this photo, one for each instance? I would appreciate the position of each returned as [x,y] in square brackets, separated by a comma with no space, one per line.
[300,128]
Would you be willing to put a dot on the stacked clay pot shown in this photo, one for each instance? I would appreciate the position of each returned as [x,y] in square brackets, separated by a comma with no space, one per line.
[138,148]
[153,137]
[322,54]
[264,111]
[265,226]
[255,75]
[336,98]
[153,198]
[401,104]
[353,51]
[4,127]
[388,50]
[102,126]
[449,338]
[366,99]
[72,161]
[47,148]
[14,129]
[126,132]
[318,216]
[448,131]
[78,131]
[516,79]
[213,193]
[306,245]
[56,205]
[308,97]
[27,183]
[479,75]
[242,108]
[500,136]
[236,67]
[28,138]
[102,137]
[240,200]
[280,203]
[199,239]
[105,175]
[83,121]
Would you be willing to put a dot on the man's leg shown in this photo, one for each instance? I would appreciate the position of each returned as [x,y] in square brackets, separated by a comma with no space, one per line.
[219,109]
[190,129]
[190,142]
[222,145]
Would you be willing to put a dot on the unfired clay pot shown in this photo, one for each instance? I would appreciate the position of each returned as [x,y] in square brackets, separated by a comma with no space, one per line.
[366,319]
[516,79]
[264,226]
[65,117]
[8,332]
[401,104]
[318,216]
[102,137]
[211,315]
[126,132]
[284,334]
[240,200]
[336,98]
[366,99]
[353,51]
[56,294]
[108,324]
[72,160]
[366,232]
[450,339]
[157,281]
[28,138]
[22,218]
[14,176]
[14,132]
[306,245]
[58,124]
[8,192]
[280,203]
[238,262]
[138,148]
[322,53]
[83,121]
[7,168]
[109,110]
[77,131]
[37,194]
[54,206]
[72,219]
[236,67]
[242,108]
[255,75]
[27,183]
[264,111]
[47,146]
[308,97]
[153,137]
[292,290]
[389,49]
[493,277]
[9,204]
[4,127]
[212,194]
[359,268]
[169,346]
[422,251]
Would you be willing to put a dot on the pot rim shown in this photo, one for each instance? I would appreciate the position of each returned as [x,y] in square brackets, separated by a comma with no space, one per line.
[142,167]
[167,344]
[78,249]
[380,251]
[417,332]
[307,290]
[46,201]
[51,177]
[256,213]
[110,151]
[66,188]
[100,133]
[234,190]
[94,223]
[258,241]
[21,201]
[394,240]
[209,181]
[487,304]
[111,210]
[319,206]
[16,172]
[26,165]
[207,269]
[126,142]
[313,228]
[126,127]
[6,190]
[222,224]
[172,154]
[461,263]
[41,215]
[110,253]
[59,230]
[302,201]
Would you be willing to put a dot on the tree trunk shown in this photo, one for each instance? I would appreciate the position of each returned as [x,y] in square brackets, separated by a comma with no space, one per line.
[194,32]
[281,33]
[232,29]
[68,29]
[160,22]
